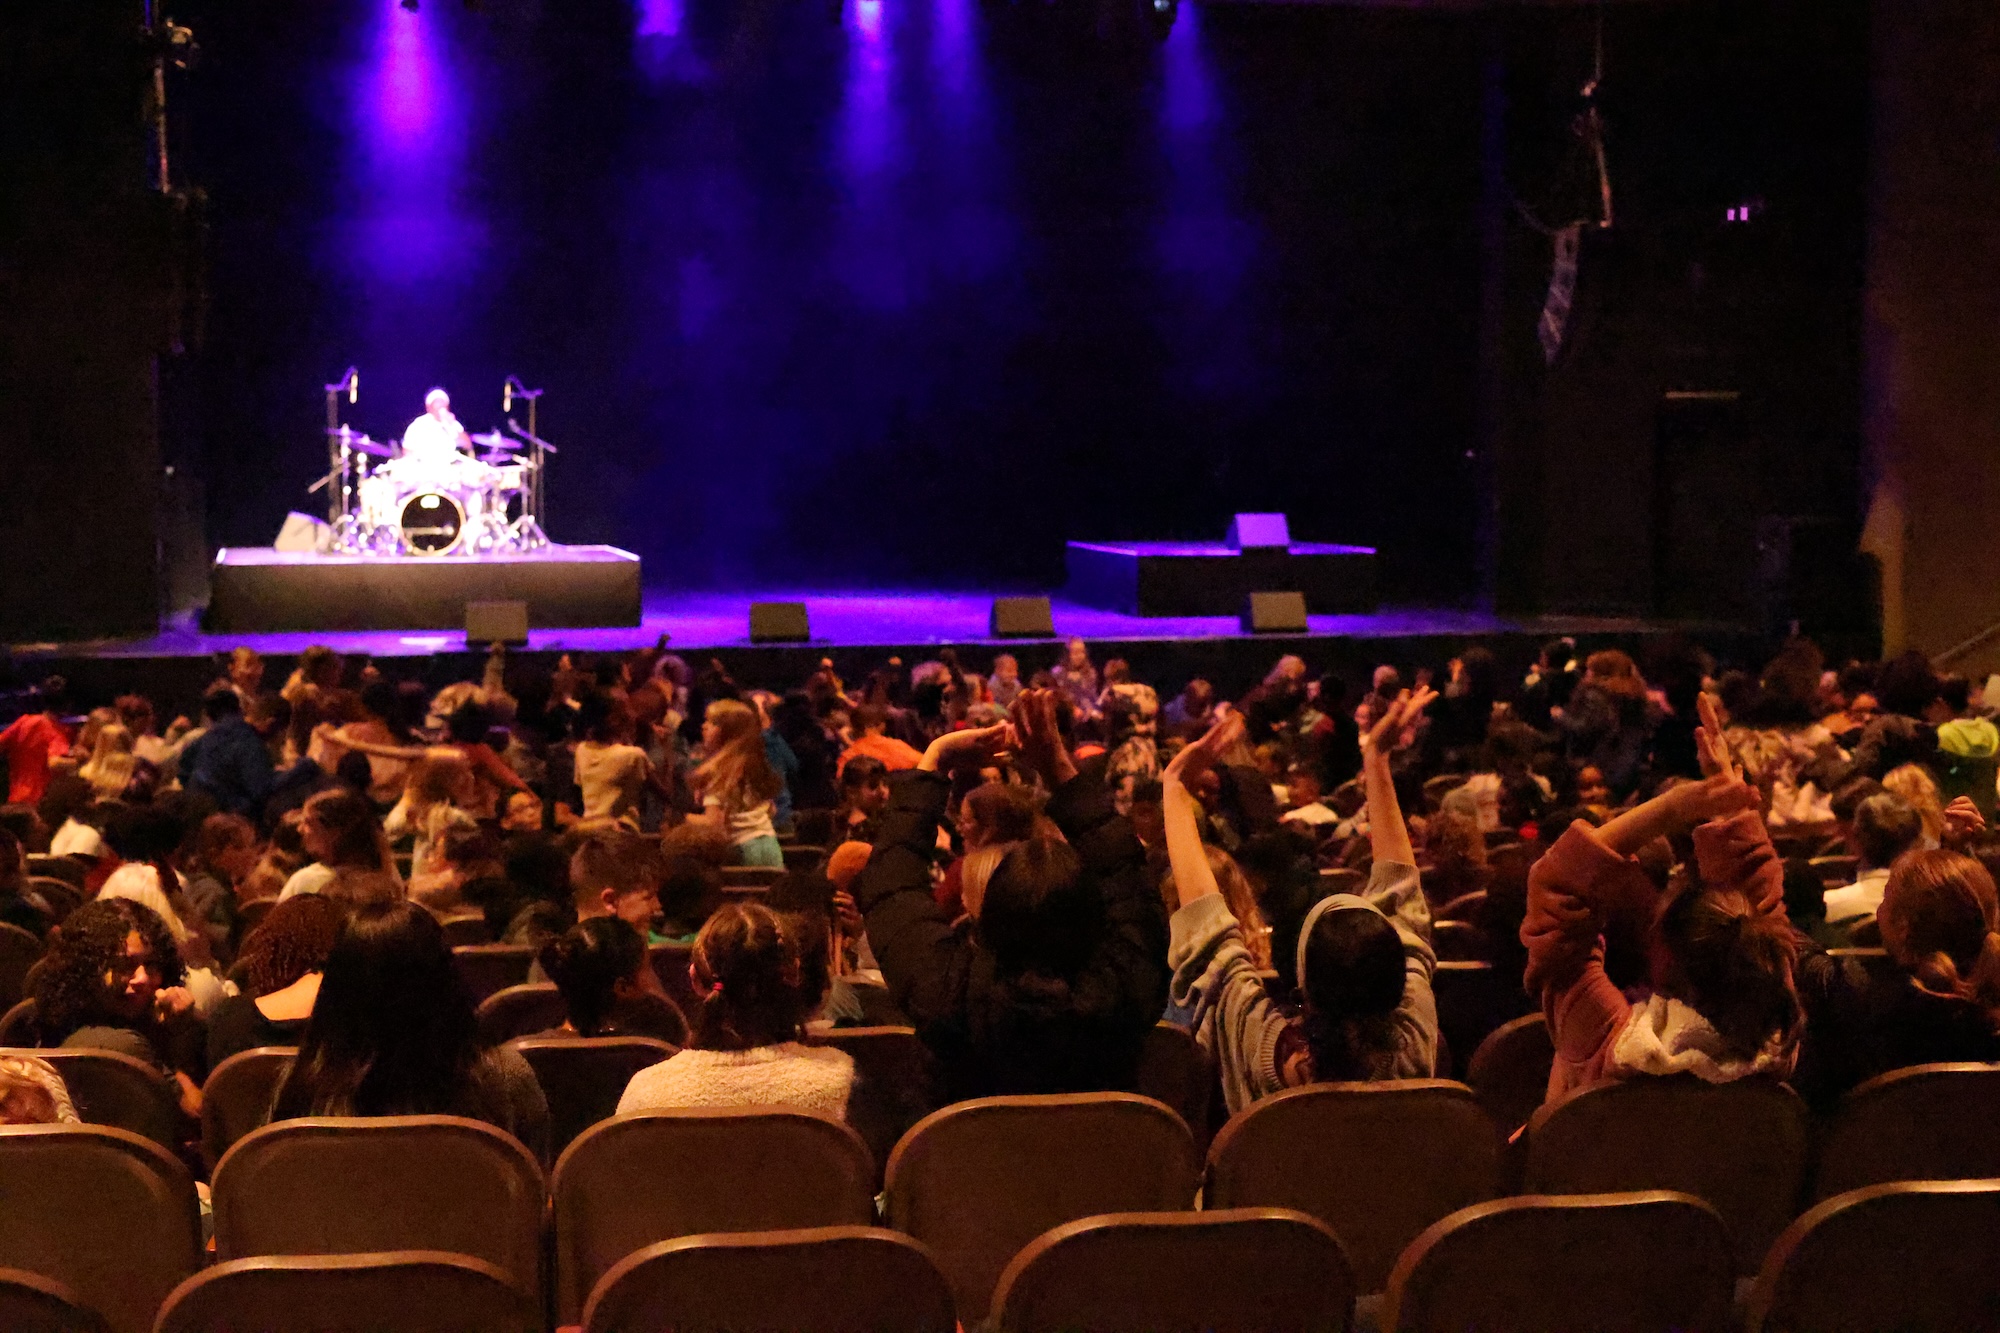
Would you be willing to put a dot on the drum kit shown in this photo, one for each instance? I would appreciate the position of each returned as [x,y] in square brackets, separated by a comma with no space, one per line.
[385,503]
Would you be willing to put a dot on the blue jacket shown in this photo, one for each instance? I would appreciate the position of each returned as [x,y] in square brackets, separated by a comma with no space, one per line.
[229,762]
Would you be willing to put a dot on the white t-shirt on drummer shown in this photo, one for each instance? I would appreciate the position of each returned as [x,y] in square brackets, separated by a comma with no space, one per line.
[429,439]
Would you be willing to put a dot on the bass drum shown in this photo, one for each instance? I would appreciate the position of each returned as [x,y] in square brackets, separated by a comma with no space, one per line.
[431,523]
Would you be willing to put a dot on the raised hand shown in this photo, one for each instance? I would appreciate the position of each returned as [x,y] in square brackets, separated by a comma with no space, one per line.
[1710,748]
[972,748]
[1197,757]
[1401,714]
[1040,739]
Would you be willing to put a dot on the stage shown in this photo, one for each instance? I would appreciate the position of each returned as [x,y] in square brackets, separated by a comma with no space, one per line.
[858,628]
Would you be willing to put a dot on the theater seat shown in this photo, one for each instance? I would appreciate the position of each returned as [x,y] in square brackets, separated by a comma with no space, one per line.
[237,1096]
[1509,1073]
[521,1011]
[30,1303]
[409,1291]
[110,1088]
[583,1077]
[1237,1270]
[977,1181]
[1652,1262]
[812,1280]
[1927,1122]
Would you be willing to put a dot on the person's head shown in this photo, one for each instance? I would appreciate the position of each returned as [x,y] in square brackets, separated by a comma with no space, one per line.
[1729,962]
[438,404]
[1915,785]
[750,979]
[135,713]
[340,829]
[616,873]
[246,669]
[598,964]
[1301,787]
[1885,826]
[871,720]
[24,824]
[997,812]
[441,777]
[320,666]
[1941,924]
[104,968]
[689,889]
[392,1032]
[1954,696]
[221,705]
[738,768]
[1239,893]
[1005,667]
[1386,682]
[1907,685]
[1040,913]
[522,812]
[1076,655]
[1847,799]
[1615,673]
[864,785]
[225,846]
[1591,788]
[469,723]
[293,940]
[1197,695]
[33,1093]
[52,696]
[1349,970]
[1556,654]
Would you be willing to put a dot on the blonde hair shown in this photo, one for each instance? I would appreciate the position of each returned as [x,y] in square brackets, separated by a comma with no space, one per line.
[1920,789]
[33,1093]
[109,768]
[1239,894]
[739,773]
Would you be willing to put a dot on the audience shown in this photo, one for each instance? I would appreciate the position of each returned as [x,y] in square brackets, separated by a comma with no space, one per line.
[737,785]
[279,970]
[608,985]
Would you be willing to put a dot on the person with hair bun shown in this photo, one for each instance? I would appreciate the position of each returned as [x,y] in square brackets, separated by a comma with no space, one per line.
[608,984]
[1723,1003]
[1941,927]
[745,1050]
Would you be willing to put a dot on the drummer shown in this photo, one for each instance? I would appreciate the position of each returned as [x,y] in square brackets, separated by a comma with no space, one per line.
[436,436]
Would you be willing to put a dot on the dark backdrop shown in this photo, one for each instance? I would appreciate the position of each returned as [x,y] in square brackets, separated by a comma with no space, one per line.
[895,291]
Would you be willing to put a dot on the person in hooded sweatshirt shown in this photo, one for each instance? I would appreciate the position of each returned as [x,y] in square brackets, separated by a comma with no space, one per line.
[1968,757]
[1364,961]
[1723,1005]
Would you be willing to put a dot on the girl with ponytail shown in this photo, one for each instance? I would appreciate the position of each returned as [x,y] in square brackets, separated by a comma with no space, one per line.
[750,974]
[1941,927]
[1363,963]
[1724,1004]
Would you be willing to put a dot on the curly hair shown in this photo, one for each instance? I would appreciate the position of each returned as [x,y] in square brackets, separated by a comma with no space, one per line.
[292,941]
[72,989]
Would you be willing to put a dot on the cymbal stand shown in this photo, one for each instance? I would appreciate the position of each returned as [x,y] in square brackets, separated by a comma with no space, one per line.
[339,479]
[528,532]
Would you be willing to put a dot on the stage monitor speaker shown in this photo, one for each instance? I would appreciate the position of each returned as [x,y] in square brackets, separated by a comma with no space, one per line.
[1275,613]
[1251,532]
[496,622]
[1023,618]
[779,622]
[303,532]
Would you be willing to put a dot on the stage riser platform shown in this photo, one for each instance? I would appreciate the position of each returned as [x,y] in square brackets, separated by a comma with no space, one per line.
[1211,579]
[257,590]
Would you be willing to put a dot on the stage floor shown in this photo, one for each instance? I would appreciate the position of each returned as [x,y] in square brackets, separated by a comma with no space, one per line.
[695,621]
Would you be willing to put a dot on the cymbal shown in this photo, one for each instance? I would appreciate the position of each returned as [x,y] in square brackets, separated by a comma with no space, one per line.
[361,444]
[493,439]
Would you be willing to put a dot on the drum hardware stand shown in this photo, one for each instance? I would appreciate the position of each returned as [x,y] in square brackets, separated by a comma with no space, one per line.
[527,530]
[339,479]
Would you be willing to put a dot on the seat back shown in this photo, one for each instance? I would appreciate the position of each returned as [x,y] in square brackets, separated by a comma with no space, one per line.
[61,896]
[1460,942]
[1741,1146]
[237,1096]
[713,1169]
[488,968]
[521,1011]
[410,1291]
[1474,998]
[113,1089]
[68,869]
[1247,1269]
[30,1303]
[465,928]
[1910,1255]
[1636,1262]
[1835,870]
[1509,1073]
[1927,1122]
[352,1186]
[19,951]
[670,964]
[1174,1071]
[582,1078]
[18,1027]
[109,1214]
[895,1084]
[1377,1162]
[977,1181]
[251,915]
[814,1280]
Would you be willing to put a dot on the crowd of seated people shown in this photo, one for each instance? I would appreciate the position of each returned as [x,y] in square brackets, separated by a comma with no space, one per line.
[1670,862]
